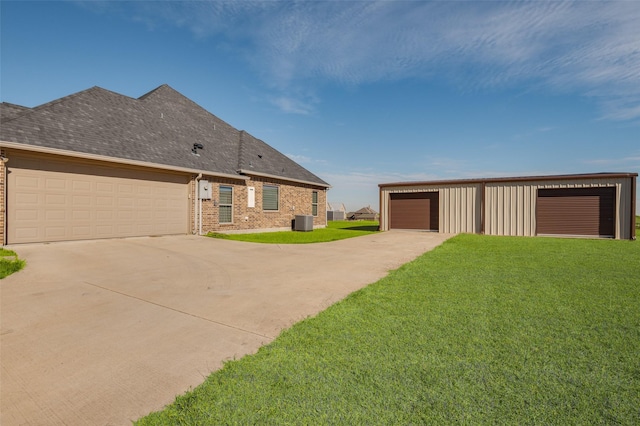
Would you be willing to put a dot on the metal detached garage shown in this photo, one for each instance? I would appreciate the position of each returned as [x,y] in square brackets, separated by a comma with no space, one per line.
[586,205]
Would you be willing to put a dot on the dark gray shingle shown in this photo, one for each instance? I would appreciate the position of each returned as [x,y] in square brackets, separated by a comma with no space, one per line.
[159,127]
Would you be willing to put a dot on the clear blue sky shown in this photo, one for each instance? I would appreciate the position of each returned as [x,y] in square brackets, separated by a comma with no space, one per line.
[361,93]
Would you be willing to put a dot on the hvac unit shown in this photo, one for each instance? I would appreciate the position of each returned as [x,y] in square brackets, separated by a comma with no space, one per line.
[335,215]
[303,223]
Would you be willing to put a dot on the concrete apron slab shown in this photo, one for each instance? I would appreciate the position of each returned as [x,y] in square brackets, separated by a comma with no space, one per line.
[104,332]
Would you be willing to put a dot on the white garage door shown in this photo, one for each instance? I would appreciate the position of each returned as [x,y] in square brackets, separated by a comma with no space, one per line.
[50,199]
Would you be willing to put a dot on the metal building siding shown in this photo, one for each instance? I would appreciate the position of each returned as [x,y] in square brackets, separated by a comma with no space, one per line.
[459,206]
[510,207]
[622,204]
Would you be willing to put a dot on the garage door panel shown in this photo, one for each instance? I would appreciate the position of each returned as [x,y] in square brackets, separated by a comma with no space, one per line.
[145,215]
[81,200]
[81,232]
[27,214]
[145,203]
[104,187]
[52,215]
[414,210]
[81,185]
[57,200]
[30,233]
[81,215]
[27,182]
[125,215]
[54,232]
[125,202]
[576,211]
[103,231]
[56,184]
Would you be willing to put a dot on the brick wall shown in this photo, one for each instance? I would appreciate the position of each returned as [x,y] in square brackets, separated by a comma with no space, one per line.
[294,199]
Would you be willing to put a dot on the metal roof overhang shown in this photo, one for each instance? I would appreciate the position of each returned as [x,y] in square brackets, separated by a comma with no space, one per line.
[512,179]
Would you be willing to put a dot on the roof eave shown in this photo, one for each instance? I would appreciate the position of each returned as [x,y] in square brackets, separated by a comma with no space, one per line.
[288,179]
[87,156]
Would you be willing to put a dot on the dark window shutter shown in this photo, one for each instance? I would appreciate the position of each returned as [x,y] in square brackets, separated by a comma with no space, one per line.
[314,203]
[226,204]
[270,198]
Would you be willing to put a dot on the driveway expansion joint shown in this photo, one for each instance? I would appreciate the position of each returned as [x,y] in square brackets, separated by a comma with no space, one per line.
[178,310]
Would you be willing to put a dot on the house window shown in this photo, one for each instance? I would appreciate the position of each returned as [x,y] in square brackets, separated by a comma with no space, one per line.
[226,204]
[270,198]
[314,203]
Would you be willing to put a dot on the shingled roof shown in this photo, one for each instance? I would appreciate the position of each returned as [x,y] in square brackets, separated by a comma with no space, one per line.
[160,127]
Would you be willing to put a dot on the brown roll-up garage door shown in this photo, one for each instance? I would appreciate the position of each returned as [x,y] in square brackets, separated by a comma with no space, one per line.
[576,211]
[52,198]
[414,210]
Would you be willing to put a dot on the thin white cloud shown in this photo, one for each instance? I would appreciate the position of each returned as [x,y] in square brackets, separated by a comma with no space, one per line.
[589,48]
[616,162]
[302,159]
[292,105]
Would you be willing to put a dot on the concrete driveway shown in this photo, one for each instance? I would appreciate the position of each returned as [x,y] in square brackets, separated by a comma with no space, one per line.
[104,332]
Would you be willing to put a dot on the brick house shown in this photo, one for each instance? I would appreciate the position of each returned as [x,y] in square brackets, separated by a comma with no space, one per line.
[98,164]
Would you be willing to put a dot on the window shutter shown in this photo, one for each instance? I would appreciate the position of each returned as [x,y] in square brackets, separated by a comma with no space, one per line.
[226,195]
[226,204]
[314,203]
[270,198]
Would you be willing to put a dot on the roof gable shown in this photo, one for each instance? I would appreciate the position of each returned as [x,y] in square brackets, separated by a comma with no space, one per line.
[160,127]
[10,111]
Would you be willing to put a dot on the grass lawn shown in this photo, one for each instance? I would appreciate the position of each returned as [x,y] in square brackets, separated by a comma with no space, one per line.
[335,230]
[482,330]
[9,263]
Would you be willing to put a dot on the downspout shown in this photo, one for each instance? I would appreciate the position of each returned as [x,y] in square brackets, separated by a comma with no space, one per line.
[4,201]
[633,208]
[196,204]
[380,222]
[483,188]
[200,216]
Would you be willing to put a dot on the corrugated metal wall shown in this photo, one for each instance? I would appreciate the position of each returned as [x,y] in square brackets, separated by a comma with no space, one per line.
[509,207]
[459,206]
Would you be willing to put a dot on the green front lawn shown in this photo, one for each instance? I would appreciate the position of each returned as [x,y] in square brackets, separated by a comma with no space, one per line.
[335,230]
[481,330]
[9,263]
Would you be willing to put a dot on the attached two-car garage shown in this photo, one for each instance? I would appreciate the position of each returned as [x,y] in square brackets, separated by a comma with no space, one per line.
[596,205]
[55,198]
